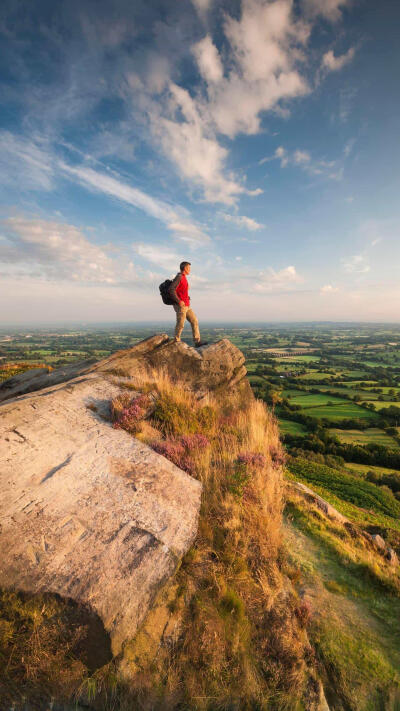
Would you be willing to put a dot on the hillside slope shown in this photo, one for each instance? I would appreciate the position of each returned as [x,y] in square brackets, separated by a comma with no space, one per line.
[105,472]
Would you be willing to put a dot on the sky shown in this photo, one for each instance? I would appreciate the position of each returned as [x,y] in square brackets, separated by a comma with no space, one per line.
[257,139]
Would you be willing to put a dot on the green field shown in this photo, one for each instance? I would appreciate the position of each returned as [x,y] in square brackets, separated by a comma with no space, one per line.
[346,487]
[379,404]
[306,399]
[372,434]
[317,375]
[347,411]
[256,379]
[363,469]
[289,427]
[301,359]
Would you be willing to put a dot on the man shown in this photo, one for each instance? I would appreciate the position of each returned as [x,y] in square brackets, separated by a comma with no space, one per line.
[179,293]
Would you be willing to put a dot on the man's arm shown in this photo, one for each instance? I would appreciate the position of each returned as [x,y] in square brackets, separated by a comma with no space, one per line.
[173,288]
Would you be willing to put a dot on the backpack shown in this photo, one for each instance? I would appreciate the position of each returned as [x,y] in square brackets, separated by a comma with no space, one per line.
[164,291]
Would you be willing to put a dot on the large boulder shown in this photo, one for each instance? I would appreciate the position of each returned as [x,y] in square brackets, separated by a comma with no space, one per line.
[220,365]
[88,511]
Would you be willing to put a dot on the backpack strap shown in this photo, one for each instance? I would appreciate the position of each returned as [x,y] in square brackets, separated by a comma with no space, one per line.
[174,286]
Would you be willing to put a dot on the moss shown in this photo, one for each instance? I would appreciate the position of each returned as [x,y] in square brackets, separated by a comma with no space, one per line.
[232,604]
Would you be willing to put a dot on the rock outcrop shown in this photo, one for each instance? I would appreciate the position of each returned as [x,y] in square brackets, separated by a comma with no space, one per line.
[88,511]
[318,501]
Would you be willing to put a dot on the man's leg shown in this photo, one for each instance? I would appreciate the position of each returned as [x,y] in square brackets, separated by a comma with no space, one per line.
[180,320]
[192,318]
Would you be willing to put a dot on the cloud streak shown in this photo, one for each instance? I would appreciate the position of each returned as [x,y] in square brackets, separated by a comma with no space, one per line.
[182,228]
[55,250]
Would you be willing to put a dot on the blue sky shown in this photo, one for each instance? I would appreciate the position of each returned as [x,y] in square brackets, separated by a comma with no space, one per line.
[257,139]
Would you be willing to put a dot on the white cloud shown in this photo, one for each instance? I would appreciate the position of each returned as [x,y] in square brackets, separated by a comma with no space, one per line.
[243,221]
[25,163]
[181,227]
[329,289]
[58,251]
[329,9]
[333,64]
[357,264]
[163,257]
[301,157]
[281,154]
[202,6]
[271,280]
[192,146]
[304,160]
[263,51]
[208,60]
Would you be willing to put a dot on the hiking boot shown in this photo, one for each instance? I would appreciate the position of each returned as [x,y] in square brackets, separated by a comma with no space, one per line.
[200,343]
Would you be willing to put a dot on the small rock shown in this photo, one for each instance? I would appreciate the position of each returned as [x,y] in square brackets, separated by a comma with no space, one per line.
[379,542]
[391,556]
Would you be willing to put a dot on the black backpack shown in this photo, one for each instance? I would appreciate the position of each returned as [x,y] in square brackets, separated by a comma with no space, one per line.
[164,291]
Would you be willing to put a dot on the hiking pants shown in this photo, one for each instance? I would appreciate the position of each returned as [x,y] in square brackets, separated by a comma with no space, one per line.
[182,313]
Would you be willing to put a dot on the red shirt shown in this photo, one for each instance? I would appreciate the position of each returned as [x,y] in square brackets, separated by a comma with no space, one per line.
[182,291]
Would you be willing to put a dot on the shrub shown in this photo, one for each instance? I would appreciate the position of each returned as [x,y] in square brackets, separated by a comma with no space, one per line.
[177,414]
[252,459]
[128,414]
[179,450]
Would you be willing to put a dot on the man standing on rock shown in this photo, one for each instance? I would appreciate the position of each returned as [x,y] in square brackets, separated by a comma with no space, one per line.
[179,293]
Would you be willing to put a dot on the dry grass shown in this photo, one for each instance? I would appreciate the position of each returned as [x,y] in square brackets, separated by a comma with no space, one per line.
[241,640]
[238,638]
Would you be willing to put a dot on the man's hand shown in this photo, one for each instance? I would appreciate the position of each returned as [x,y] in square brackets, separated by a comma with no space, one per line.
[181,303]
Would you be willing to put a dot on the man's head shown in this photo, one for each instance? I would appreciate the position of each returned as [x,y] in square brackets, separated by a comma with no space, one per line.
[185,267]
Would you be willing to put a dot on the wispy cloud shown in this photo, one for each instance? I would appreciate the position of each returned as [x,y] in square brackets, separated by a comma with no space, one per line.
[180,226]
[271,280]
[356,264]
[59,251]
[329,9]
[242,221]
[328,289]
[331,63]
[163,257]
[25,163]
[303,159]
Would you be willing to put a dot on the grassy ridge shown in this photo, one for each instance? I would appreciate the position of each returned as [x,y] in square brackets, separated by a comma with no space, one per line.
[237,638]
[346,487]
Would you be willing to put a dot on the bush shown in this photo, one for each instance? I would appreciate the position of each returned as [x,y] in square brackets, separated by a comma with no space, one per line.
[127,414]
[179,450]
[178,418]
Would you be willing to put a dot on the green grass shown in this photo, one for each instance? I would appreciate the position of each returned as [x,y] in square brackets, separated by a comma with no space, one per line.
[345,390]
[290,427]
[337,412]
[372,434]
[301,358]
[385,388]
[306,399]
[379,404]
[256,379]
[363,469]
[362,669]
[346,487]
[354,373]
[316,375]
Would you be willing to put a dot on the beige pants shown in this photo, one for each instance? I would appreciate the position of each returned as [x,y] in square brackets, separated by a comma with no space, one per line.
[182,313]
